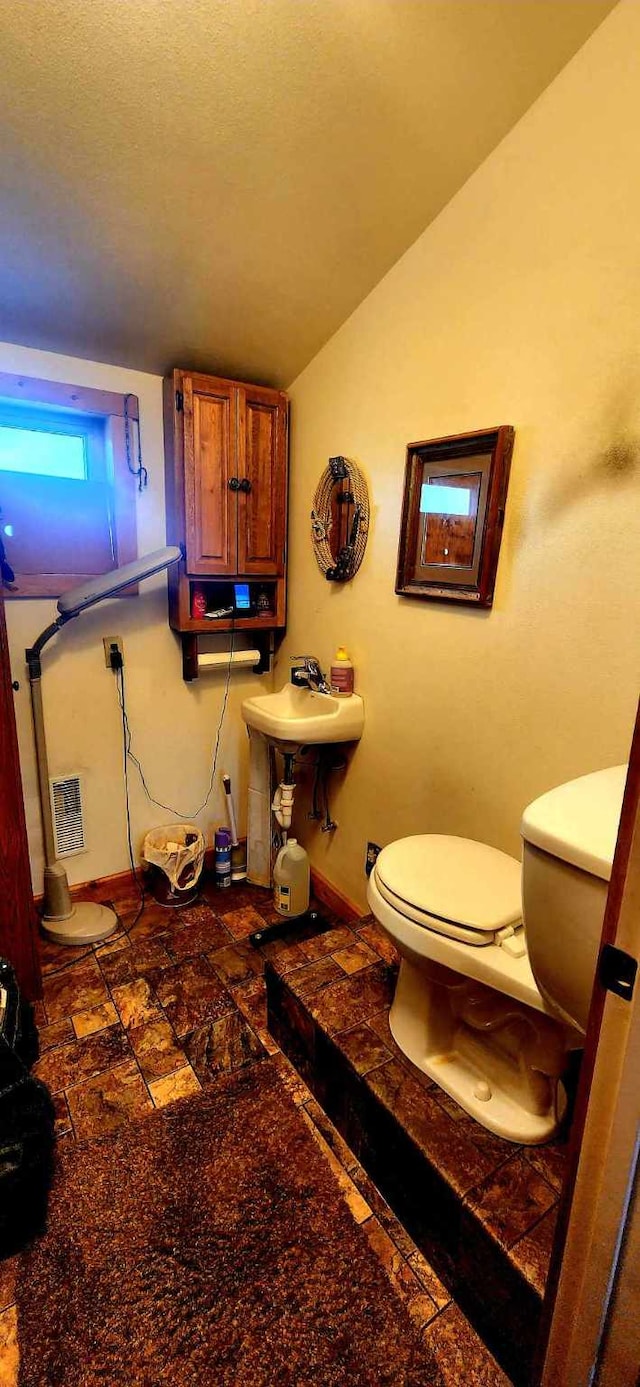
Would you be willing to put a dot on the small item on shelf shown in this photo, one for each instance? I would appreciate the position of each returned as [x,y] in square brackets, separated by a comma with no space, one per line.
[198,603]
[263,603]
[341,678]
[222,844]
[219,614]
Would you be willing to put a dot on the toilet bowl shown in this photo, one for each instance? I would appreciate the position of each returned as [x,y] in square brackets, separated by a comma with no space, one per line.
[497,961]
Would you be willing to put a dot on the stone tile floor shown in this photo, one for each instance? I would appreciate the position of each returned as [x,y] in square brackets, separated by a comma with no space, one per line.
[175,999]
[514,1191]
[482,1210]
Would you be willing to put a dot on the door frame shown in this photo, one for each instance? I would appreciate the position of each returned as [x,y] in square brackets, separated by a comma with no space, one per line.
[588,1333]
[18,923]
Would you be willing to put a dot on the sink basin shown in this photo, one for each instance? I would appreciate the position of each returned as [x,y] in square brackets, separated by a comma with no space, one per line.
[303,717]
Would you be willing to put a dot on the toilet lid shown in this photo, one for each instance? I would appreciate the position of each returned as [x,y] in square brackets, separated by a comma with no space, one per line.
[578,822]
[456,879]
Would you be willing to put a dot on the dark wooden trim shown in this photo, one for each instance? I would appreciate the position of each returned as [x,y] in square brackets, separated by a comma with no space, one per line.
[18,930]
[333,899]
[204,382]
[120,883]
[499,443]
[124,492]
[189,657]
[100,888]
[52,585]
[79,397]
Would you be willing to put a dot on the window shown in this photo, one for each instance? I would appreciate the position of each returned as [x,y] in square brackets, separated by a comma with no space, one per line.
[67,496]
[31,445]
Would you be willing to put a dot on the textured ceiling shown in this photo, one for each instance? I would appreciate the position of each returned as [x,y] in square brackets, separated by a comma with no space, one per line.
[218,183]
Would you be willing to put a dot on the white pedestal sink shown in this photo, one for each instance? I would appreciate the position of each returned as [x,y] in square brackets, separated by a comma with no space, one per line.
[291,718]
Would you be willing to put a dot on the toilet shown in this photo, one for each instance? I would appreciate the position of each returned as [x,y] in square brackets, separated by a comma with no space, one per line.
[497,958]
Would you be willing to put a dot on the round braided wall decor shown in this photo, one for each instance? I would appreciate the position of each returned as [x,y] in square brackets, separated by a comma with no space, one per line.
[340,561]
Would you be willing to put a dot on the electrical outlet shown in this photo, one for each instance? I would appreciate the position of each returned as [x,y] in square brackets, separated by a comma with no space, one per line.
[370,857]
[112,645]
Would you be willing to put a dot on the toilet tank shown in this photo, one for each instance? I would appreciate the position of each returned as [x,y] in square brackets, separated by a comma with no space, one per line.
[569,837]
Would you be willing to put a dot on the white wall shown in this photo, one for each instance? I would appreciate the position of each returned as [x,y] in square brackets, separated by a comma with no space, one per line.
[519,305]
[173,723]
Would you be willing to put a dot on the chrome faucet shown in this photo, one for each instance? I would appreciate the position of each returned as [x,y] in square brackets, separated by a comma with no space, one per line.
[308,674]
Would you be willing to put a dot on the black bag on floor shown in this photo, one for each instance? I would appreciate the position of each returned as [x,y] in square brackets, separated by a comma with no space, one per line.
[26,1123]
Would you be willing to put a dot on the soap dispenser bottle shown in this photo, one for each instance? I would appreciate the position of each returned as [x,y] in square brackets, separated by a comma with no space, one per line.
[341,678]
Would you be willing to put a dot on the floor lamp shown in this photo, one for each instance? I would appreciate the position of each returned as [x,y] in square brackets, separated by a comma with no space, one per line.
[62,920]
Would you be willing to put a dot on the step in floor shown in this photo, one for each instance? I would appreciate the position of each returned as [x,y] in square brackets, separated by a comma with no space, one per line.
[481,1209]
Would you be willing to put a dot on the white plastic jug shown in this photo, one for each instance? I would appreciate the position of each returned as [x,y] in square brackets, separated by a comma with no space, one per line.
[291,879]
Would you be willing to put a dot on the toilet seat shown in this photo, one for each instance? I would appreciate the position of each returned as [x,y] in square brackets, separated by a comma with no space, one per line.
[455,886]
[472,1018]
[494,966]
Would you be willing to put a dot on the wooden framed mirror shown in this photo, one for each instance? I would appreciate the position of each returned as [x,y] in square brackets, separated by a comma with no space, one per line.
[452,515]
[340,520]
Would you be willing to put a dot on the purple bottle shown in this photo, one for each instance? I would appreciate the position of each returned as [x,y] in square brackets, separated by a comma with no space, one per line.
[222,845]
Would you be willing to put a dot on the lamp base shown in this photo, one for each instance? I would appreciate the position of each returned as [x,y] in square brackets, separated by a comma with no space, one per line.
[87,924]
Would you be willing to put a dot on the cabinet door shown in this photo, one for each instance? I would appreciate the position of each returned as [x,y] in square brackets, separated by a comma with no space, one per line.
[262,468]
[210,505]
[18,938]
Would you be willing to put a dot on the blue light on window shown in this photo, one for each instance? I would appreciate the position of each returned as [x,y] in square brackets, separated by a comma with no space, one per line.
[445,500]
[41,453]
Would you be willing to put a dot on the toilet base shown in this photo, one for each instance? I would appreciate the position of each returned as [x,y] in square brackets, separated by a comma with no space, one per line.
[499,1114]
[483,1050]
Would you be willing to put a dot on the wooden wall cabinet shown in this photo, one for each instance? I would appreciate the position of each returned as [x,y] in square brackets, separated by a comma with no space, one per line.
[226,493]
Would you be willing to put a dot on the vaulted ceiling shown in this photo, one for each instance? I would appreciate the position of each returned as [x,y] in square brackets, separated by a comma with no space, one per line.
[218,183]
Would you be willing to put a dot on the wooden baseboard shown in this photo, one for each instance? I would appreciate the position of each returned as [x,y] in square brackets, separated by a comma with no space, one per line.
[114,887]
[123,883]
[333,899]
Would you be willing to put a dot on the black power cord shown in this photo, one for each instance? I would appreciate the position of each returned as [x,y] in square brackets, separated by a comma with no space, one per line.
[117,666]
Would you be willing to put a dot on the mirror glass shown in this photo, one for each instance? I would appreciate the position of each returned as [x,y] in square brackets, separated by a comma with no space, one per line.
[448,519]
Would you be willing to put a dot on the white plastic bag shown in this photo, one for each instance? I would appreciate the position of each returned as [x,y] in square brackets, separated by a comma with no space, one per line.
[181,861]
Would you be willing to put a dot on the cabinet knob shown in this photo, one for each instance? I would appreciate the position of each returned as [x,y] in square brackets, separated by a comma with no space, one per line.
[245,484]
[234,484]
